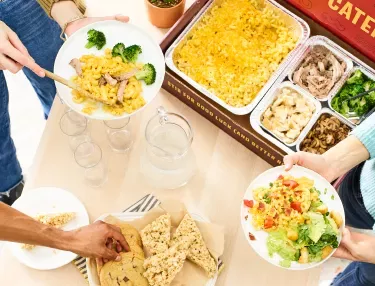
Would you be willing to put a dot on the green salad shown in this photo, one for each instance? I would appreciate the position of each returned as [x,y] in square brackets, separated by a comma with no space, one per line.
[355,85]
[316,240]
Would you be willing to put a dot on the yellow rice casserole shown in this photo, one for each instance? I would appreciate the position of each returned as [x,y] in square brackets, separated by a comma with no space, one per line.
[234,50]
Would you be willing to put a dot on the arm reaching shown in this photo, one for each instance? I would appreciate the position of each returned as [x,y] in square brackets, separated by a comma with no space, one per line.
[88,241]
[334,163]
[338,160]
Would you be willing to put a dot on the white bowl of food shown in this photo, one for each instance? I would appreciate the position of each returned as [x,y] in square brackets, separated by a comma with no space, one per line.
[292,219]
[117,63]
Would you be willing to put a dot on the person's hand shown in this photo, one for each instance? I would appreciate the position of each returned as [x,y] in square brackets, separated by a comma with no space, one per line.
[76,25]
[99,240]
[356,247]
[13,54]
[314,162]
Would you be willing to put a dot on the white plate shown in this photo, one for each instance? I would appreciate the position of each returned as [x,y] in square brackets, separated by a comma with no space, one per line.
[48,200]
[115,32]
[129,216]
[259,245]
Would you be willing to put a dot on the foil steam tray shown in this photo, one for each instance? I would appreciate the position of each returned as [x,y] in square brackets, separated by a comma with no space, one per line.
[296,24]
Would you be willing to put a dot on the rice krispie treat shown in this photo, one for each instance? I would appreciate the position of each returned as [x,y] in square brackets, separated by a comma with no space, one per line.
[198,251]
[157,235]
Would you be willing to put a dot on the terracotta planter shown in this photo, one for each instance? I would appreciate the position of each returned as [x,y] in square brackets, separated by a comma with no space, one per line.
[164,17]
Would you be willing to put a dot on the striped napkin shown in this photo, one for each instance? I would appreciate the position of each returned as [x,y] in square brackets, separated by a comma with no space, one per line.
[145,204]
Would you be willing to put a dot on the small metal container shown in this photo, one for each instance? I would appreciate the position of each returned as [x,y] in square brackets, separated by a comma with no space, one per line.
[342,83]
[299,26]
[270,100]
[307,48]
[323,111]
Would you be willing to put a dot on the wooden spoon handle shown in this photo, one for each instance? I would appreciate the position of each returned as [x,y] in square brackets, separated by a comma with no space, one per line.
[72,85]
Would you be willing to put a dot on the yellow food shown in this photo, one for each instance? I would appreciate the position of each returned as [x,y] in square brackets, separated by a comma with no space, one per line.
[279,206]
[304,258]
[337,218]
[93,67]
[234,50]
[326,251]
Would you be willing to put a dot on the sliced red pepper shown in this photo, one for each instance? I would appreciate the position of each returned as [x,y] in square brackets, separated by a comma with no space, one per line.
[261,206]
[251,236]
[248,203]
[290,183]
[281,177]
[268,223]
[288,211]
[296,206]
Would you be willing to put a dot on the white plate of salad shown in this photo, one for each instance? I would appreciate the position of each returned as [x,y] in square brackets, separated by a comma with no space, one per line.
[119,64]
[292,219]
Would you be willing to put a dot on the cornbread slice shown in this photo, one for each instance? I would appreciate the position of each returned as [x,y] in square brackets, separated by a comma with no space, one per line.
[55,220]
[127,272]
[198,251]
[157,235]
[162,268]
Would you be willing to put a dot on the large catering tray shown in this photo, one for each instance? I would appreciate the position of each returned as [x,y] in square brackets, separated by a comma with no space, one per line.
[238,126]
[299,27]
[353,63]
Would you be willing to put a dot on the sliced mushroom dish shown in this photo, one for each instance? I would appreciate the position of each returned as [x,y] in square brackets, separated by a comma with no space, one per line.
[288,114]
[326,133]
[319,72]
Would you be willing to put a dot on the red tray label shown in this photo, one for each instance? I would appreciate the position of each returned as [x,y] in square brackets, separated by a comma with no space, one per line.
[353,21]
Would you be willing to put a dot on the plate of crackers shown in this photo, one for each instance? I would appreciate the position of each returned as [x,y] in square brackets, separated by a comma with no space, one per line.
[168,246]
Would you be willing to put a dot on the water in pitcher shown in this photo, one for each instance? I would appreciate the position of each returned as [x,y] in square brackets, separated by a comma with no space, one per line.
[168,161]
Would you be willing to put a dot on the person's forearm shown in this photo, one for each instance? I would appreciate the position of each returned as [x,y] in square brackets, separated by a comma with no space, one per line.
[18,227]
[64,11]
[346,155]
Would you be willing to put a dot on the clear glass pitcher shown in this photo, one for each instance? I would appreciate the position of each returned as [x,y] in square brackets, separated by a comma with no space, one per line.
[168,161]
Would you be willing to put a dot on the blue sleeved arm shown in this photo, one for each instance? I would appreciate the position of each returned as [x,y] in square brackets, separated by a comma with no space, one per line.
[365,133]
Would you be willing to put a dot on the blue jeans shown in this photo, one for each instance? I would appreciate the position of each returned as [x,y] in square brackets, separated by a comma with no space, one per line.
[356,215]
[40,35]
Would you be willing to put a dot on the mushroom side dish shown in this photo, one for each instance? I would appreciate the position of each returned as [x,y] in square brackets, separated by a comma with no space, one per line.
[326,133]
[288,114]
[319,72]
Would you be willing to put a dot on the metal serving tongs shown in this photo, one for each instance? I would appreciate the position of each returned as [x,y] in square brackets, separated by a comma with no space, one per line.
[76,87]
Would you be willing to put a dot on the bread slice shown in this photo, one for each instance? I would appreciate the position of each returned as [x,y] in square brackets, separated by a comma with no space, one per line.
[127,272]
[162,268]
[157,235]
[198,251]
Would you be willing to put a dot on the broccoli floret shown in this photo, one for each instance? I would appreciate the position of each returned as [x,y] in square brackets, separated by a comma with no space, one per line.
[131,53]
[356,89]
[356,78]
[362,107]
[344,110]
[147,73]
[367,85]
[118,51]
[336,103]
[95,38]
[371,99]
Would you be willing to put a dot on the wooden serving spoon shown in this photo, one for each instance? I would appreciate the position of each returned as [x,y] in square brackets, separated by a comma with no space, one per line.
[76,87]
